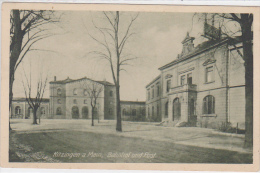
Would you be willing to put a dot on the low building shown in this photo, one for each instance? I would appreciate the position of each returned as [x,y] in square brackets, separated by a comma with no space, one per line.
[133,110]
[21,109]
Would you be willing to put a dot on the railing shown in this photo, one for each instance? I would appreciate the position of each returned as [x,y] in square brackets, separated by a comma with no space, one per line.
[186,87]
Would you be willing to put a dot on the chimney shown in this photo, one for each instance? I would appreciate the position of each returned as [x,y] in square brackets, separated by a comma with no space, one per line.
[54,78]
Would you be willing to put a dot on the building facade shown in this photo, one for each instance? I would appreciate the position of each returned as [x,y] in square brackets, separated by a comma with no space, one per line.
[74,99]
[204,86]
[153,100]
[133,110]
[20,109]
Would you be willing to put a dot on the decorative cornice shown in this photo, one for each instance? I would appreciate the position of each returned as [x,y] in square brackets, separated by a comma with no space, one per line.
[168,76]
[209,61]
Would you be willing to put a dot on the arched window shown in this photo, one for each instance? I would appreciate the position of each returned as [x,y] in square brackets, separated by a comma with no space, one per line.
[166,109]
[58,91]
[75,92]
[111,93]
[17,110]
[43,110]
[75,101]
[58,111]
[209,105]
[134,112]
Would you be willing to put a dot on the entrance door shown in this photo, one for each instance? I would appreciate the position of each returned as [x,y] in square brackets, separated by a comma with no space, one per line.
[176,110]
[75,112]
[85,112]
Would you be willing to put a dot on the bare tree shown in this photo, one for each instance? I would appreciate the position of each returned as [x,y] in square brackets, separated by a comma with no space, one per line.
[93,90]
[26,28]
[34,101]
[112,44]
[241,27]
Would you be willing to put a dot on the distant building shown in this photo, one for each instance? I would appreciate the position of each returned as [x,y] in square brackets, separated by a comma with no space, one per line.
[132,110]
[204,86]
[69,99]
[21,109]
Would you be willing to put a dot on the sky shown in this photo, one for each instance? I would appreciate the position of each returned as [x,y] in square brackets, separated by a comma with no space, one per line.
[157,41]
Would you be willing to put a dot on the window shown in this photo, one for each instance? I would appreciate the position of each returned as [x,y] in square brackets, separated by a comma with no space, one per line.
[75,101]
[153,93]
[209,74]
[189,78]
[166,110]
[168,85]
[42,110]
[85,92]
[148,95]
[58,111]
[158,90]
[134,112]
[183,78]
[59,101]
[85,101]
[75,92]
[152,111]
[58,91]
[17,110]
[148,112]
[209,105]
[110,111]
[111,93]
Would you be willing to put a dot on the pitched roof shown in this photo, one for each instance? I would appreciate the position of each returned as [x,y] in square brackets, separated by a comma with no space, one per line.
[133,102]
[155,79]
[22,99]
[68,80]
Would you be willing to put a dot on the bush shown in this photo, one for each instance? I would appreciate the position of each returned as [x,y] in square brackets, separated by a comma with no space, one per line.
[226,127]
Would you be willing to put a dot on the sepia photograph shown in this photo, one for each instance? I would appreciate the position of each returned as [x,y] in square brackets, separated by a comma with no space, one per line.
[130,86]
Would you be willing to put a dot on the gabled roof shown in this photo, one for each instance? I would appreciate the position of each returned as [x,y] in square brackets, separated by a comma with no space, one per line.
[68,80]
[197,50]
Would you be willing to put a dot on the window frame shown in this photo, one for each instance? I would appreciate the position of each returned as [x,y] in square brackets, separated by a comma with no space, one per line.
[75,92]
[168,85]
[207,74]
[209,104]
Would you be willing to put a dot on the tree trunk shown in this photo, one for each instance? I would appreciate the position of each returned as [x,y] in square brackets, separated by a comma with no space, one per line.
[35,115]
[92,118]
[248,57]
[15,50]
[118,112]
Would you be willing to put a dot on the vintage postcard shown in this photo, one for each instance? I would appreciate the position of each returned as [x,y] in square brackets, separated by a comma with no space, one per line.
[148,87]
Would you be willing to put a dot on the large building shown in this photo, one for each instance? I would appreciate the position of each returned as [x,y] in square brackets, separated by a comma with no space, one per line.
[73,99]
[20,109]
[204,86]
